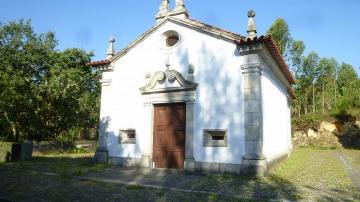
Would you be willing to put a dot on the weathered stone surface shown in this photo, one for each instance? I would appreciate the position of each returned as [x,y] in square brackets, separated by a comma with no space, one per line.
[230,168]
[357,123]
[145,162]
[189,165]
[26,150]
[321,138]
[252,133]
[312,133]
[327,126]
[101,156]
[253,106]
[127,162]
[210,167]
[254,167]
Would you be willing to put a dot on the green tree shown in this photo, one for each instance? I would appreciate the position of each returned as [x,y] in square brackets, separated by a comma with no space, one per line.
[44,93]
[321,84]
[306,78]
[279,31]
[348,84]
[297,56]
[326,84]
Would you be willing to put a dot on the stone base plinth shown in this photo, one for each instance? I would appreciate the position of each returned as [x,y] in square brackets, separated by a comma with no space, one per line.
[254,166]
[189,165]
[101,155]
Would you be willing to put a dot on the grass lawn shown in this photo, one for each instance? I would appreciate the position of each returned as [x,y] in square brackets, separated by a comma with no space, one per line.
[310,174]
[318,175]
[353,156]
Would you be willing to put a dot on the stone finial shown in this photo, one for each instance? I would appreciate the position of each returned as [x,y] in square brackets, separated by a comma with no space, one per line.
[111,49]
[180,9]
[180,5]
[251,28]
[163,9]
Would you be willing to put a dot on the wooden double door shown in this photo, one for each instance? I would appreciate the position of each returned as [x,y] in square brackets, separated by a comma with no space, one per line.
[169,135]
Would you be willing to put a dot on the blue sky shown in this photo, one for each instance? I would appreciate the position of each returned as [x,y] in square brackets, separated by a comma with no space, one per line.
[329,27]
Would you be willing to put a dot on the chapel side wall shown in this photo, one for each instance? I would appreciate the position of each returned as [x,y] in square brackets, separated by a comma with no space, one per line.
[276,117]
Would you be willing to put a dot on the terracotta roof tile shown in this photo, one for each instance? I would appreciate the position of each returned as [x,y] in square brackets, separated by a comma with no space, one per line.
[98,63]
[275,53]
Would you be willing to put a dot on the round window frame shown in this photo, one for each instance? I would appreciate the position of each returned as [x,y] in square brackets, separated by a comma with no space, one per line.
[165,36]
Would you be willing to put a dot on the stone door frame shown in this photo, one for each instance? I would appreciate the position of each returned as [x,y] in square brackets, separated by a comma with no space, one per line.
[187,97]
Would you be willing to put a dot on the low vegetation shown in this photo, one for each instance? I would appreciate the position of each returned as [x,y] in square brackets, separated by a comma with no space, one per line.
[5,150]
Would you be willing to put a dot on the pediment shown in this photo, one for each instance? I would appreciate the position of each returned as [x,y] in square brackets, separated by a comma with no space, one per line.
[167,81]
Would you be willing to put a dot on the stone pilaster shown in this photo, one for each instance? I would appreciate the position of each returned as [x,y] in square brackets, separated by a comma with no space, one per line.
[102,153]
[254,161]
[189,144]
[146,158]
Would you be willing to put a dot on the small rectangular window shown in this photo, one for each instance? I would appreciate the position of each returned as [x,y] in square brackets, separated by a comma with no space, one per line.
[218,137]
[215,138]
[127,136]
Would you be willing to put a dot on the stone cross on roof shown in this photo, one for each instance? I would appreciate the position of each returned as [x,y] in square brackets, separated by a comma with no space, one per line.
[179,10]
[163,9]
[180,6]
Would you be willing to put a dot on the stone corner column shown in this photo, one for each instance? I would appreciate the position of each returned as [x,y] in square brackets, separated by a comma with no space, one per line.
[253,161]
[102,152]
[189,164]
[146,157]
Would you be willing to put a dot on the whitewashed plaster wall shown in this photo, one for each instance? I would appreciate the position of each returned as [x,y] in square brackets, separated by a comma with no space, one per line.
[276,116]
[219,97]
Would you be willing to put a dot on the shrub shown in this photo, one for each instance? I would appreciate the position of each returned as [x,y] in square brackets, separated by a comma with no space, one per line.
[5,151]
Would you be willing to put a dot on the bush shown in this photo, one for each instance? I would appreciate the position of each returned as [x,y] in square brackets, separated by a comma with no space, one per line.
[5,151]
[306,122]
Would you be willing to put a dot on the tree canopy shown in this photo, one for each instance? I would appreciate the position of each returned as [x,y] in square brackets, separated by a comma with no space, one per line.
[322,85]
[44,93]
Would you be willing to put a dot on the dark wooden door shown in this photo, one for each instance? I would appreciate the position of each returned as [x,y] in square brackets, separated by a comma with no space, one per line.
[169,135]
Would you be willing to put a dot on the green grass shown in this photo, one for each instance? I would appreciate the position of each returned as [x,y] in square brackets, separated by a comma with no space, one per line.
[353,156]
[310,174]
[65,164]
[317,174]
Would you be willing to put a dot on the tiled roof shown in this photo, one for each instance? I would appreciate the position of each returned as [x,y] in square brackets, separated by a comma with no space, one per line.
[98,63]
[275,53]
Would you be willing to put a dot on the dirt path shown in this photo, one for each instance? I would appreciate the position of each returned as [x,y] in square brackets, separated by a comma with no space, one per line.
[352,173]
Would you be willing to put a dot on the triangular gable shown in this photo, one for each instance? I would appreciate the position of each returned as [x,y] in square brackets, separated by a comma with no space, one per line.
[193,24]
